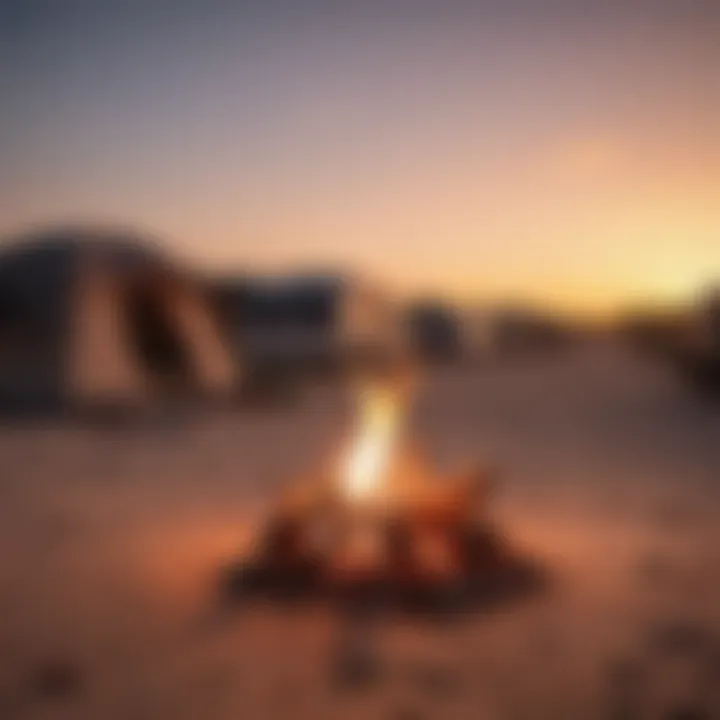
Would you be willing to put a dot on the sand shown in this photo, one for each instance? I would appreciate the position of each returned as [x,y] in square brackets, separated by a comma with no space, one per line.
[112,541]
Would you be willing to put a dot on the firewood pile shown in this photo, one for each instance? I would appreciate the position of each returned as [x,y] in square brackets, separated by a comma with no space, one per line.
[420,543]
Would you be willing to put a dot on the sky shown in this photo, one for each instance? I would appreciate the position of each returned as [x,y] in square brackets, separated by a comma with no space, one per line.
[564,153]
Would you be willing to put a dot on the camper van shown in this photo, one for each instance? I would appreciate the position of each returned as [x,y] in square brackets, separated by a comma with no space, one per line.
[317,324]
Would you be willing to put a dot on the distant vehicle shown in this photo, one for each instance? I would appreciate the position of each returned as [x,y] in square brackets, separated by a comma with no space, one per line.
[698,357]
[654,333]
[520,331]
[435,332]
[307,324]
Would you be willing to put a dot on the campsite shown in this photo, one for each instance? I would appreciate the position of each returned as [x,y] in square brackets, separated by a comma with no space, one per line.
[112,601]
[359,360]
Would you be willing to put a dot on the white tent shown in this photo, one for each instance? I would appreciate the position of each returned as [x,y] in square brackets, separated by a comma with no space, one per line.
[100,318]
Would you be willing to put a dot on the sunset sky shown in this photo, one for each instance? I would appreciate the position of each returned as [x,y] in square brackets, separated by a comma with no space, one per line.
[482,150]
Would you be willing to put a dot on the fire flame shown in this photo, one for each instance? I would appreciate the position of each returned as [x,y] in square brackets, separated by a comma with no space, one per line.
[366,460]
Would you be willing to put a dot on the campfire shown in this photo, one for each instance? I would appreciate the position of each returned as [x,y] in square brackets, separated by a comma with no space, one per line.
[377,521]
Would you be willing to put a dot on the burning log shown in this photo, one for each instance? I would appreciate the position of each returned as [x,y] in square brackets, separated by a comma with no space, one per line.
[435,555]
[360,557]
[459,500]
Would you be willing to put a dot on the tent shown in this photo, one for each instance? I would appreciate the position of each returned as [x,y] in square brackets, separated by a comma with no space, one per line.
[99,317]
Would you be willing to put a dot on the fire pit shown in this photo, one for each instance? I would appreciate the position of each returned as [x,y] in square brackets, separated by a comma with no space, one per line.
[376,522]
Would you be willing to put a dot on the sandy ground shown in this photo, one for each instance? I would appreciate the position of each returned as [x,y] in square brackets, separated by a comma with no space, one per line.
[111,542]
